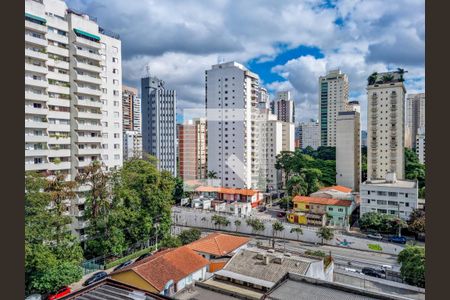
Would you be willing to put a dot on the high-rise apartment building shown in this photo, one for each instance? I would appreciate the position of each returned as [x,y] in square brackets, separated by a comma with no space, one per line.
[420,144]
[348,149]
[298,137]
[333,98]
[284,107]
[73,85]
[128,100]
[415,118]
[235,126]
[385,125]
[132,145]
[310,134]
[363,138]
[159,123]
[192,149]
[131,120]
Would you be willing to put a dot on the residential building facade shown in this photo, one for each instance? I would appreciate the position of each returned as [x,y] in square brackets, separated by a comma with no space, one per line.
[333,98]
[348,149]
[389,196]
[415,118]
[285,107]
[73,84]
[192,149]
[420,145]
[310,134]
[132,145]
[159,123]
[385,125]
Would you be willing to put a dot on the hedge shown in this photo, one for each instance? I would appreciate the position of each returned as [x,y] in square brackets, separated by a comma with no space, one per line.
[128,257]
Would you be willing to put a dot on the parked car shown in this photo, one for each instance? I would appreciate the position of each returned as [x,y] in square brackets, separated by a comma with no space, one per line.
[350,270]
[375,236]
[143,256]
[60,293]
[123,265]
[397,239]
[96,277]
[372,272]
[281,214]
[34,297]
[387,267]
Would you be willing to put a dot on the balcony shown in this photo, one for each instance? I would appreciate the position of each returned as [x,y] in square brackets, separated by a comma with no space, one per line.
[87,90]
[58,50]
[35,40]
[393,115]
[36,82]
[53,88]
[51,62]
[58,153]
[56,23]
[37,152]
[58,76]
[88,115]
[65,165]
[86,66]
[41,55]
[58,38]
[59,127]
[88,102]
[88,151]
[42,69]
[59,102]
[59,114]
[82,41]
[53,139]
[88,139]
[86,54]
[87,78]
[29,138]
[88,127]
[36,124]
[36,27]
[82,164]
[35,111]
[37,167]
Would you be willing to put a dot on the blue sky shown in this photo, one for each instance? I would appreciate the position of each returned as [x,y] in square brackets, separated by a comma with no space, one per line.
[288,43]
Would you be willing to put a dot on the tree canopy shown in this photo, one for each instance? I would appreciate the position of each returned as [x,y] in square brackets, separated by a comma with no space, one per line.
[383,223]
[189,236]
[412,260]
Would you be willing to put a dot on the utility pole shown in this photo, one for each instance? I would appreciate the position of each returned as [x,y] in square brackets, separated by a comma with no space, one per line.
[398,216]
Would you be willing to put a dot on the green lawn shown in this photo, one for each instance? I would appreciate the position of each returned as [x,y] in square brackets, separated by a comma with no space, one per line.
[375,247]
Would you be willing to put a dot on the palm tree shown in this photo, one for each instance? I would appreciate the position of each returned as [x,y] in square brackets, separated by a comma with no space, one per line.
[372,78]
[237,223]
[298,231]
[256,224]
[276,227]
[211,174]
[388,78]
[325,233]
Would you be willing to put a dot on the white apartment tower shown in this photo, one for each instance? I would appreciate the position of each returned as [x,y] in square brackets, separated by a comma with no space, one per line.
[73,86]
[132,145]
[235,126]
[348,149]
[420,145]
[310,134]
[415,118]
[284,107]
[333,98]
[385,125]
[159,123]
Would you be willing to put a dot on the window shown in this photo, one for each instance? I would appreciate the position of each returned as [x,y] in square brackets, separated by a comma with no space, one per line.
[393,194]
[330,209]
[105,146]
[340,209]
[105,157]
[116,156]
[105,124]
[116,146]
[116,93]
[115,82]
[115,71]
[116,103]
[115,50]
[116,135]
[116,125]
[116,114]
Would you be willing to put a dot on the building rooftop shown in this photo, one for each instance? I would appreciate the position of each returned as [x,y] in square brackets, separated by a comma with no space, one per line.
[338,188]
[230,191]
[296,286]
[111,289]
[398,183]
[169,264]
[322,201]
[218,244]
[248,265]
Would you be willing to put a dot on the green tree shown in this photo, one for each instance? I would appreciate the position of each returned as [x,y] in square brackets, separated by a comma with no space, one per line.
[220,221]
[237,223]
[412,260]
[170,242]
[286,203]
[416,221]
[277,226]
[284,162]
[52,254]
[325,233]
[381,222]
[179,192]
[414,170]
[189,236]
[363,163]
[256,225]
[298,231]
[296,185]
[211,174]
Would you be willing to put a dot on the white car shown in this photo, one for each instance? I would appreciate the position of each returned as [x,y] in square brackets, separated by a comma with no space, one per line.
[388,267]
[350,270]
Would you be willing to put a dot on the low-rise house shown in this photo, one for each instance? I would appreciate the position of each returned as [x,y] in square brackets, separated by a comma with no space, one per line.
[166,272]
[335,192]
[254,197]
[389,196]
[336,211]
[218,248]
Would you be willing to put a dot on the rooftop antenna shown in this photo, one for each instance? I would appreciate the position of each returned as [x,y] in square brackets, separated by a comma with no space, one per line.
[220,59]
[147,70]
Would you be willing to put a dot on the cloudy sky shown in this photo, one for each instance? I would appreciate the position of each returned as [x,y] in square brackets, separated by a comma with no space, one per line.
[288,43]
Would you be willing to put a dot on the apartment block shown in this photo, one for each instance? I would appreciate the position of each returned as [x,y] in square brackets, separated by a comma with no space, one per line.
[385,125]
[73,86]
[235,126]
[420,145]
[132,145]
[333,98]
[389,196]
[285,107]
[348,149]
[159,123]
[192,149]
[310,134]
[415,118]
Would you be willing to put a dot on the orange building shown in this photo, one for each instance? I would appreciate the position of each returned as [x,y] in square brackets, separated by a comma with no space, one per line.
[192,149]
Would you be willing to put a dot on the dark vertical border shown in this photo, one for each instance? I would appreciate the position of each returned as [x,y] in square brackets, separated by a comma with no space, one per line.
[12,151]
[437,149]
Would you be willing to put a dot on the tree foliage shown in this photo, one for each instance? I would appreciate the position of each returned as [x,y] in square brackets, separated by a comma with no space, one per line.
[189,236]
[414,169]
[325,233]
[277,226]
[170,242]
[416,222]
[220,220]
[380,222]
[256,224]
[412,260]
[298,231]
[178,192]
[52,255]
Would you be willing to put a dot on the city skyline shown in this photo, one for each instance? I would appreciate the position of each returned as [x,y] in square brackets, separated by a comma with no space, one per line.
[288,53]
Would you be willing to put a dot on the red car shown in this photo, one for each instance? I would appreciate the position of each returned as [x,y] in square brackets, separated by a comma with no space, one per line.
[281,214]
[60,293]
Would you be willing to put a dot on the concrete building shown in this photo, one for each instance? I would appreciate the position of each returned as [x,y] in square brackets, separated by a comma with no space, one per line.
[363,138]
[285,107]
[192,149]
[415,118]
[128,96]
[235,125]
[298,137]
[420,145]
[73,94]
[348,149]
[310,134]
[389,196]
[385,125]
[132,145]
[159,123]
[333,98]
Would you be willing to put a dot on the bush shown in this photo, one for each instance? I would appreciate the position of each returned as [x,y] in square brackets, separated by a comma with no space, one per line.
[315,253]
[128,257]
[189,236]
[412,259]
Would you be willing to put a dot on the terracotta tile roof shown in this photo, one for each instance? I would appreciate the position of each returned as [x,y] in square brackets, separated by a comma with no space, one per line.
[222,190]
[339,188]
[323,201]
[218,244]
[168,264]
